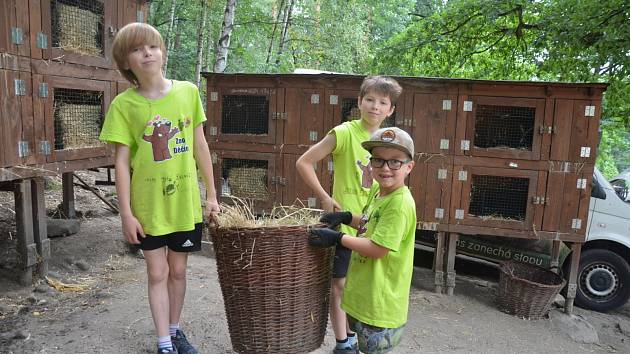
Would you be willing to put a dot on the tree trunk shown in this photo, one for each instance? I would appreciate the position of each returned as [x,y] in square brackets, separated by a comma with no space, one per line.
[273,33]
[285,30]
[223,44]
[202,30]
[176,47]
[169,32]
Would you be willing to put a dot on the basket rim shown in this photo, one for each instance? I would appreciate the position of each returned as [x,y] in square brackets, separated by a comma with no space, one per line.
[513,277]
[268,227]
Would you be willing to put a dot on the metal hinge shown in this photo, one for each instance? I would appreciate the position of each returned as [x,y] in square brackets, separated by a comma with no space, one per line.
[43,90]
[442,173]
[214,96]
[311,202]
[334,99]
[279,115]
[439,213]
[462,176]
[42,40]
[581,183]
[546,130]
[315,98]
[468,106]
[139,16]
[44,147]
[17,35]
[23,148]
[446,105]
[465,145]
[459,214]
[585,151]
[444,143]
[279,180]
[330,166]
[589,111]
[576,224]
[540,200]
[312,135]
[213,130]
[20,87]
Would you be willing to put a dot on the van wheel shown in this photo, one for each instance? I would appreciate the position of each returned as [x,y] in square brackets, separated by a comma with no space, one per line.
[603,282]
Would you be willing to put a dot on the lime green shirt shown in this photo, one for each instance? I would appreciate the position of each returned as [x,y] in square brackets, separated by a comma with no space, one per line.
[165,195]
[352,175]
[377,290]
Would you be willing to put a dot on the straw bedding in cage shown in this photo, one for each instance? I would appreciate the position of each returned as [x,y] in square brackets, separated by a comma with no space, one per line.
[527,290]
[78,30]
[275,288]
[80,125]
[248,182]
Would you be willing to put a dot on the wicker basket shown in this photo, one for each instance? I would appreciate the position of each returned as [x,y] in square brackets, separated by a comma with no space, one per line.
[275,288]
[527,290]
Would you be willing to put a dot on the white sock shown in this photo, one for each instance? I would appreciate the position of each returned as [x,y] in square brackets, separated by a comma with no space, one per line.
[172,328]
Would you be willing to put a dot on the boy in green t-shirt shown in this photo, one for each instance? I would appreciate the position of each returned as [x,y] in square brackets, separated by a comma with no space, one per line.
[376,296]
[352,181]
[157,130]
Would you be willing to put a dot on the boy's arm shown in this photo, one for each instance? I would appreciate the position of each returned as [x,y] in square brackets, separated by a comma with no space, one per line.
[305,168]
[204,162]
[130,225]
[364,246]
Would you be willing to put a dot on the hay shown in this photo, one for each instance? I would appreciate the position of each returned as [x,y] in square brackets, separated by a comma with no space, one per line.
[78,30]
[80,125]
[240,214]
[64,287]
[248,182]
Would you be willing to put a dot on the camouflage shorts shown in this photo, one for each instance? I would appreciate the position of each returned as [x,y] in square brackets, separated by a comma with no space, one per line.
[375,340]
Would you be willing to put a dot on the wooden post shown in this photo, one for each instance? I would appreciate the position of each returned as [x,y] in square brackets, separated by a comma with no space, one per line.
[26,248]
[67,205]
[576,250]
[39,223]
[438,261]
[555,255]
[450,262]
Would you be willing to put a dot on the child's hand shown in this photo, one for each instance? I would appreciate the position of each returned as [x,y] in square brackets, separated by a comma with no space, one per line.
[330,205]
[212,210]
[131,229]
[333,220]
[324,237]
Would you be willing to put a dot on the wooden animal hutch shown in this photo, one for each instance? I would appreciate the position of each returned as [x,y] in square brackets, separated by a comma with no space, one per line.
[57,79]
[498,158]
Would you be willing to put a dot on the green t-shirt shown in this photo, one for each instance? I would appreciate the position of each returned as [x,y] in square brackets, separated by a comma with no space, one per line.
[352,175]
[165,195]
[377,290]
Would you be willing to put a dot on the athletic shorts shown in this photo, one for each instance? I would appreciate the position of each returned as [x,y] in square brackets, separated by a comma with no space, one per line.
[341,261]
[375,340]
[181,241]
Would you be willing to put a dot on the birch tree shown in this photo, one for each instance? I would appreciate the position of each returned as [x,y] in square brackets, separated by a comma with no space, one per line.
[223,44]
[169,33]
[285,29]
[202,30]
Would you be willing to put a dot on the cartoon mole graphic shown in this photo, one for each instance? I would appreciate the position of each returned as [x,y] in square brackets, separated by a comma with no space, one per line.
[366,177]
[162,133]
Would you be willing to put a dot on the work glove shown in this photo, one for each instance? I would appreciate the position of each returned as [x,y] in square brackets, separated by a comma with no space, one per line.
[333,220]
[324,237]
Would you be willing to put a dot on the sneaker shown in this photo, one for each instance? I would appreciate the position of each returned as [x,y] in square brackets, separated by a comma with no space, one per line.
[350,350]
[182,345]
[166,351]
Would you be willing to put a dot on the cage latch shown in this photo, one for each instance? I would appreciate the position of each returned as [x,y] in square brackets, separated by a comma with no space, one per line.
[581,183]
[280,115]
[540,200]
[20,87]
[279,180]
[44,147]
[23,148]
[546,130]
[17,35]
[42,40]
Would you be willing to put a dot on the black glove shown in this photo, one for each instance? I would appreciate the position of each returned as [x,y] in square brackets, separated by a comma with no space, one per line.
[324,237]
[333,220]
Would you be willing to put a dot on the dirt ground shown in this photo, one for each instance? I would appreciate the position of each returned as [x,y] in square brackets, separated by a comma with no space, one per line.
[111,315]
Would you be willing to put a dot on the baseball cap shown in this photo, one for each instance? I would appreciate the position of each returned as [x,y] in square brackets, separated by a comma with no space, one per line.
[390,137]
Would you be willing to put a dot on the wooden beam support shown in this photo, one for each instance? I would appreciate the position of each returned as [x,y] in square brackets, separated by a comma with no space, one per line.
[438,262]
[450,262]
[576,250]
[67,205]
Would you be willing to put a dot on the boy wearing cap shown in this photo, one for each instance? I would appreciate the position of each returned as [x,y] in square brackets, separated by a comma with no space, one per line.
[376,295]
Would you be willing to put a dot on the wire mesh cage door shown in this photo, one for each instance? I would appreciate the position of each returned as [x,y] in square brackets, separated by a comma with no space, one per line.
[250,177]
[503,127]
[246,114]
[496,197]
[80,31]
[75,110]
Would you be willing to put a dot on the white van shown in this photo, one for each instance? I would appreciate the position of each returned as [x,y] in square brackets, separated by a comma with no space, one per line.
[603,281]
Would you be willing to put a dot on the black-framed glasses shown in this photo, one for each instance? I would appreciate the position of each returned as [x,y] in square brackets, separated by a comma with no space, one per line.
[392,164]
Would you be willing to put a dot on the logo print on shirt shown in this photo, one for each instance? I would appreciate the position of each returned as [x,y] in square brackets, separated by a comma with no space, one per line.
[366,174]
[162,133]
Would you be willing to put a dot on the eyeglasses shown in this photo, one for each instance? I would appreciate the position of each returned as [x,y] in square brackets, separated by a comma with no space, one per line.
[392,164]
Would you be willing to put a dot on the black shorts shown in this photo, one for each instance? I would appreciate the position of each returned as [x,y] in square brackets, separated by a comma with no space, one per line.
[341,261]
[181,241]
